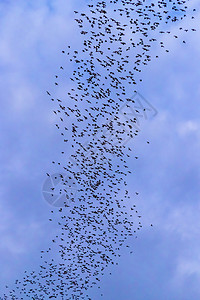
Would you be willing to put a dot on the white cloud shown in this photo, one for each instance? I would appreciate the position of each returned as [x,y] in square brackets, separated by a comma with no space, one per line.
[188,127]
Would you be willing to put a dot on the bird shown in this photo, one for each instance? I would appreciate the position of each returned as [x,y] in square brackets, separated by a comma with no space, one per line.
[96,125]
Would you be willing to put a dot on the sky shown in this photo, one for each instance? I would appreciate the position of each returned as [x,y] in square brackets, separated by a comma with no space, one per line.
[165,263]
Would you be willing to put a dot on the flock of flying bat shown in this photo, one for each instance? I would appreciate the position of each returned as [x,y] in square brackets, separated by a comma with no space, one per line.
[118,36]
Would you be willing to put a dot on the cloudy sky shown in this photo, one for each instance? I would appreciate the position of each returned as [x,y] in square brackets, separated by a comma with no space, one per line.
[165,263]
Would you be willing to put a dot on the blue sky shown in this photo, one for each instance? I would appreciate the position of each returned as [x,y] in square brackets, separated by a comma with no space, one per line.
[165,263]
